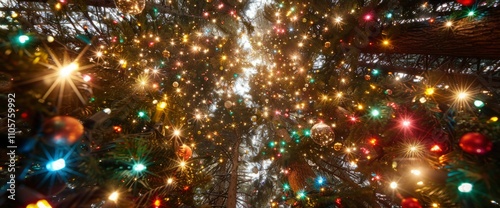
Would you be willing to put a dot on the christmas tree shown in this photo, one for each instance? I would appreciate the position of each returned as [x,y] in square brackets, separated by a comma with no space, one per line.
[147,103]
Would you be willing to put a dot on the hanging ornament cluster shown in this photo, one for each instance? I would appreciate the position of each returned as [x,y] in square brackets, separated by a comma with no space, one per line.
[130,6]
[185,152]
[322,134]
[62,130]
[475,143]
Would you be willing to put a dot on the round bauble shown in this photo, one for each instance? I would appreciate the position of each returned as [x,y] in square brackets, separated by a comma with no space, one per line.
[165,53]
[475,143]
[322,134]
[253,118]
[337,146]
[175,84]
[62,130]
[228,104]
[410,203]
[328,44]
[255,170]
[185,152]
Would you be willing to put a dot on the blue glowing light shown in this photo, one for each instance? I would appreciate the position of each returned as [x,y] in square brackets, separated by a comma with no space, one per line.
[139,167]
[56,165]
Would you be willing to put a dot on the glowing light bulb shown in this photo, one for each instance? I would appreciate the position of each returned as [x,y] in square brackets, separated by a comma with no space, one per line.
[436,148]
[416,172]
[448,24]
[393,185]
[56,165]
[429,91]
[66,71]
[139,167]
[465,187]
[478,103]
[462,95]
[406,123]
[86,78]
[375,113]
[23,39]
[177,132]
[113,196]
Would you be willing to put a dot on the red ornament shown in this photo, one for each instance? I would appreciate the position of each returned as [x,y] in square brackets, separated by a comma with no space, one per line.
[410,203]
[62,130]
[475,143]
[466,2]
[185,152]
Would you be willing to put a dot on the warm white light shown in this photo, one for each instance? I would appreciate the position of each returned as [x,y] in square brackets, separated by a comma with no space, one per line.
[449,24]
[86,78]
[177,132]
[413,148]
[462,95]
[394,185]
[66,71]
[170,180]
[416,172]
[113,196]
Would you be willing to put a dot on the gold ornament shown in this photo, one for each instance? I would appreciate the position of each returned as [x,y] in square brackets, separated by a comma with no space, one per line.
[184,152]
[337,146]
[328,44]
[166,53]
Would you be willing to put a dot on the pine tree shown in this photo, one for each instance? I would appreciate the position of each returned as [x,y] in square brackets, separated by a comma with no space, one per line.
[348,104]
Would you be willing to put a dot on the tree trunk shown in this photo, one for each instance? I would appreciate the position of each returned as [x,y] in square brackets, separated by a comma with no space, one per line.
[233,180]
[475,37]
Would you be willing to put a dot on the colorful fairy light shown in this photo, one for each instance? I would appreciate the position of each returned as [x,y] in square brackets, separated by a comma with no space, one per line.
[56,165]
[113,196]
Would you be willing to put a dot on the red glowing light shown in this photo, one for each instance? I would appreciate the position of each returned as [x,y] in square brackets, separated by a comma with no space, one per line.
[157,203]
[373,141]
[405,123]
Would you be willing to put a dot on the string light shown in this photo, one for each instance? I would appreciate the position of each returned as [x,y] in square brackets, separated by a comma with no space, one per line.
[56,165]
[393,185]
[67,70]
[465,187]
[113,196]
[139,167]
